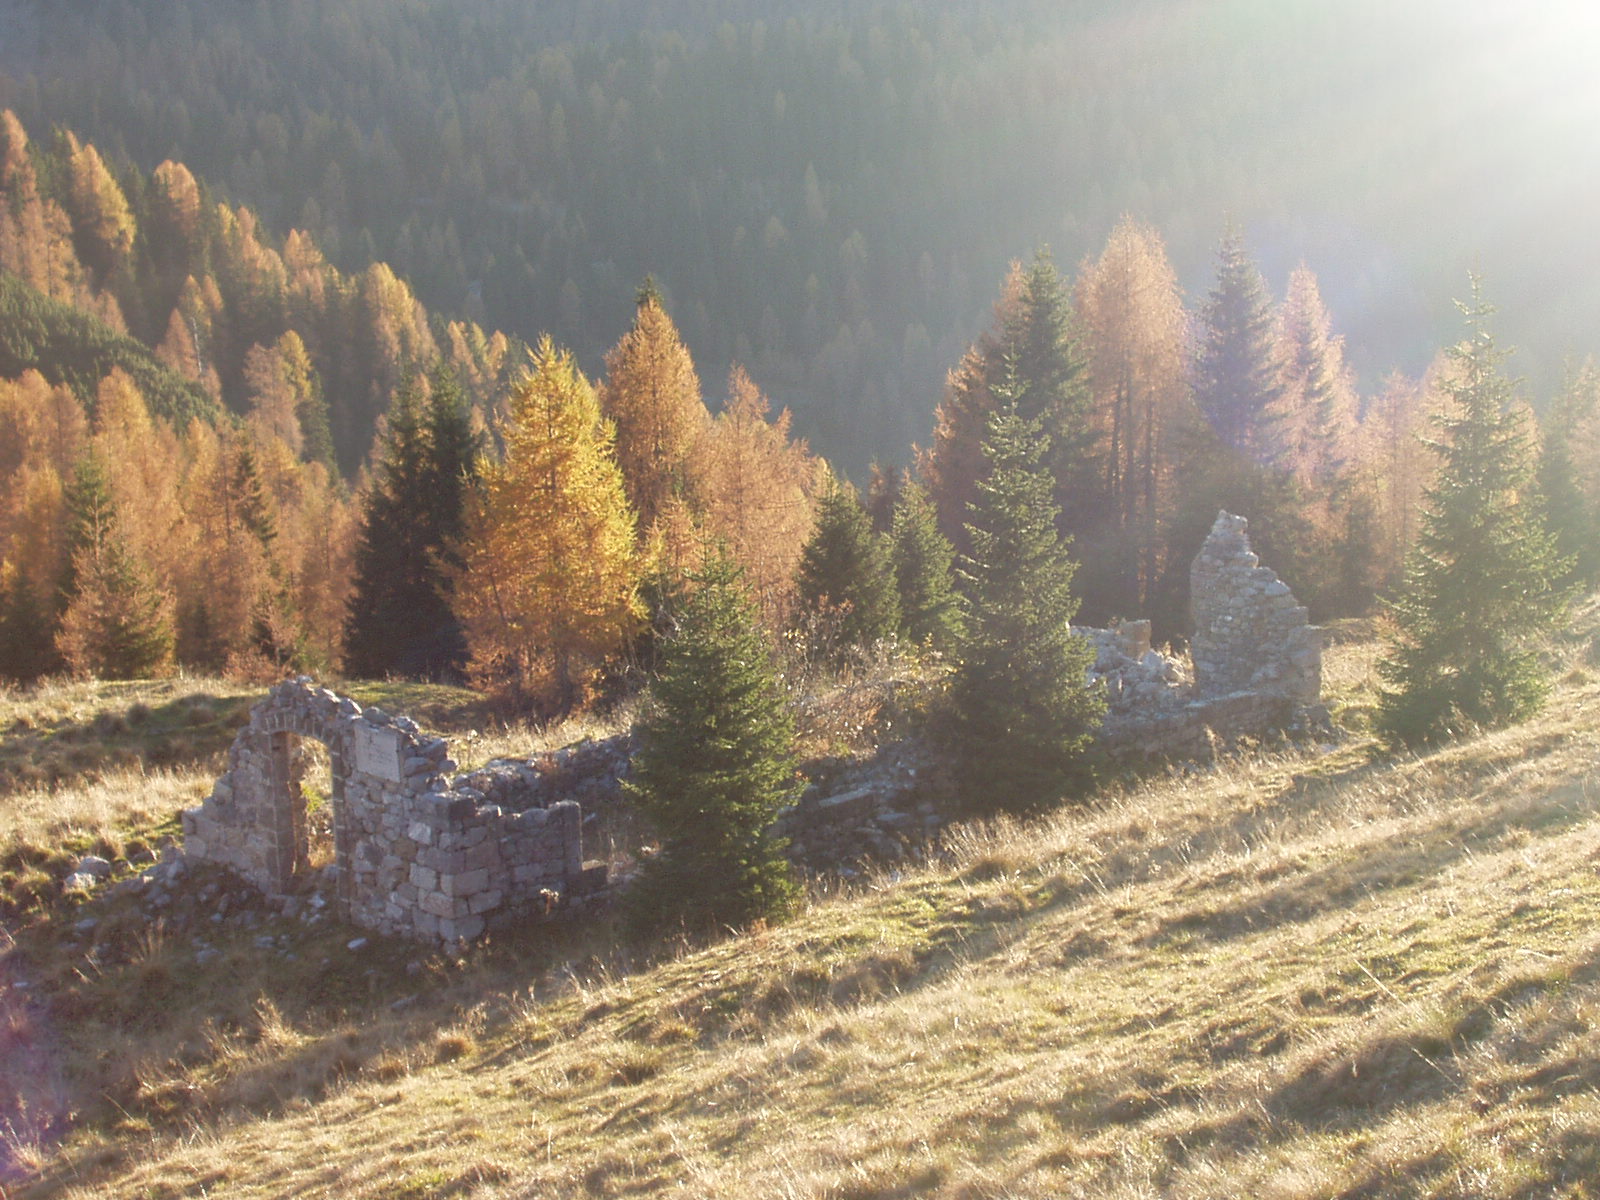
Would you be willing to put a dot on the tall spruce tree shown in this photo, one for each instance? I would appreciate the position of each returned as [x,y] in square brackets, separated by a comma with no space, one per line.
[1572,514]
[845,568]
[1237,377]
[118,623]
[1479,592]
[90,516]
[930,609]
[714,765]
[1040,351]
[1023,707]
[400,619]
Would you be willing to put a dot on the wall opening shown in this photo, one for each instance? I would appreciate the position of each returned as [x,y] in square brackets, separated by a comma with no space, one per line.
[316,792]
[308,798]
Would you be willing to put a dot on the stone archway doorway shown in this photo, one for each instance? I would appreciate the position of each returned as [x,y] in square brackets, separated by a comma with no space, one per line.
[306,788]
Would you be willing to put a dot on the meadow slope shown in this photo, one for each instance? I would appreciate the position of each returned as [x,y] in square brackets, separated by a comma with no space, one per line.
[1316,973]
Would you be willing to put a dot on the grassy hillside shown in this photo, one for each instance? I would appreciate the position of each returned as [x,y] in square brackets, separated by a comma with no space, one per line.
[1291,975]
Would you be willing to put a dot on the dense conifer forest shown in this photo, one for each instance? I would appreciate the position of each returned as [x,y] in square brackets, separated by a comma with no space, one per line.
[409,340]
[827,193]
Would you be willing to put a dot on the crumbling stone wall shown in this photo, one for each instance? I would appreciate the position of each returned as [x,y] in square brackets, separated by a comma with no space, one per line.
[421,853]
[1250,634]
[1256,661]
[416,853]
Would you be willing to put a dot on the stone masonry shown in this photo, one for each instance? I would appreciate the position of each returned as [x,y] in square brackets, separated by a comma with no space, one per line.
[1257,662]
[1250,634]
[416,853]
[421,853]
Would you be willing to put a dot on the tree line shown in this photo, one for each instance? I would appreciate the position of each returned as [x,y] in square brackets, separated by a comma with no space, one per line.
[550,538]
[519,525]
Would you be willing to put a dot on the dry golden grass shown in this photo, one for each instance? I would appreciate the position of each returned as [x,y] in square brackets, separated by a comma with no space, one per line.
[1288,976]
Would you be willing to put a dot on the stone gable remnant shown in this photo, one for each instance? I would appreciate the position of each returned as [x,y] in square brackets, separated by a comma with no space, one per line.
[1257,662]
[1250,634]
[416,853]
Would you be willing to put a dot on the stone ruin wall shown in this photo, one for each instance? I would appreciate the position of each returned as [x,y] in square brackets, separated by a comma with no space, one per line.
[1256,661]
[421,854]
[415,853]
[1250,634]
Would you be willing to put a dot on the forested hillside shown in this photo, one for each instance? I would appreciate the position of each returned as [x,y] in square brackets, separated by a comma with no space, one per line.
[827,193]
[193,406]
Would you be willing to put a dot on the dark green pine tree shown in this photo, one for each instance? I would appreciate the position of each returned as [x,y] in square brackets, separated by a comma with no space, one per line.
[715,763]
[930,609]
[1236,371]
[1039,351]
[90,517]
[1023,707]
[845,570]
[1479,593]
[27,632]
[400,620]
[1572,515]
[119,624]
[247,497]
[316,429]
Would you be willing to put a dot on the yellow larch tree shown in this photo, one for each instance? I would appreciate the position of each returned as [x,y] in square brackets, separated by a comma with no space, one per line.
[548,586]
[652,394]
[760,489]
[1130,313]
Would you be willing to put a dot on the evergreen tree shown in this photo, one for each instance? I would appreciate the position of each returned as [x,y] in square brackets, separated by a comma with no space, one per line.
[1478,595]
[1024,711]
[1033,344]
[400,619]
[247,498]
[714,765]
[118,624]
[1040,352]
[845,569]
[930,609]
[1237,378]
[1572,515]
[90,514]
[27,648]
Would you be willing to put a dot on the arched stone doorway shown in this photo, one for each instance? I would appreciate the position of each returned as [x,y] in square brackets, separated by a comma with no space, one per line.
[290,757]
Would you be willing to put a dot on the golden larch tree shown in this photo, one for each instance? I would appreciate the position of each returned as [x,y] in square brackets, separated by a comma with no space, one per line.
[1131,318]
[760,489]
[548,586]
[652,394]
[1313,423]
